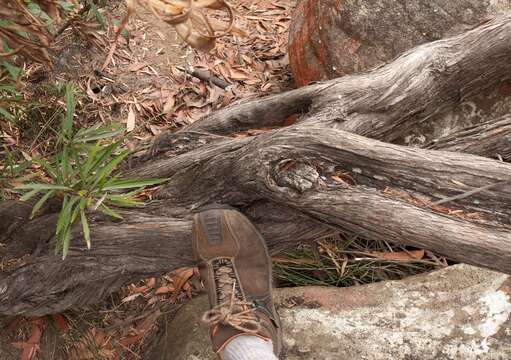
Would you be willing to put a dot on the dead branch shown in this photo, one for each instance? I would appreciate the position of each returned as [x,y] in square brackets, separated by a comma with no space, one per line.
[491,139]
[299,182]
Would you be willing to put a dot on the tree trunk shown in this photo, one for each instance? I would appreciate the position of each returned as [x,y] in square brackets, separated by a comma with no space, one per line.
[299,182]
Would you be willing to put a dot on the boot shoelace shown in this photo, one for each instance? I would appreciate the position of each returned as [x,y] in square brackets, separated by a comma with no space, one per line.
[233,312]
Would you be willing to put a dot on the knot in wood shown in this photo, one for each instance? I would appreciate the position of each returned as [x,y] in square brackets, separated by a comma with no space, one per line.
[296,175]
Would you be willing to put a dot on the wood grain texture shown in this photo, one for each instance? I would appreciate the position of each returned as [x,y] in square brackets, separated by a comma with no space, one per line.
[287,179]
[490,139]
[389,101]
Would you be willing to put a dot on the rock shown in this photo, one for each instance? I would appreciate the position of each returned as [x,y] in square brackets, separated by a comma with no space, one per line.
[332,38]
[185,337]
[461,312]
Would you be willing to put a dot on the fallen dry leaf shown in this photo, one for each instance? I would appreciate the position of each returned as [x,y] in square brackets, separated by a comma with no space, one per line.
[343,178]
[130,123]
[214,94]
[131,297]
[151,283]
[169,105]
[164,290]
[30,347]
[153,300]
[398,256]
[251,132]
[141,329]
[140,289]
[155,130]
[180,278]
[130,340]
[137,66]
[93,344]
[266,87]
[61,322]
[238,75]
[222,69]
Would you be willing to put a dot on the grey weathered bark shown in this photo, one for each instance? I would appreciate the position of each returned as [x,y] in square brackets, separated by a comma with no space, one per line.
[389,101]
[297,183]
[490,139]
[329,39]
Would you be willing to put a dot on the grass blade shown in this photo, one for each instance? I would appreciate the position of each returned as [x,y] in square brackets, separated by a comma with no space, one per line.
[107,211]
[74,212]
[85,226]
[65,243]
[91,155]
[64,223]
[100,136]
[101,157]
[123,201]
[64,163]
[67,121]
[28,195]
[129,184]
[96,133]
[42,186]
[48,168]
[6,114]
[40,203]
[66,214]
[63,219]
[107,170]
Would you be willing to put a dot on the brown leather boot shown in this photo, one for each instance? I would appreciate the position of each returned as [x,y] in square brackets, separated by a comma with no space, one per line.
[236,271]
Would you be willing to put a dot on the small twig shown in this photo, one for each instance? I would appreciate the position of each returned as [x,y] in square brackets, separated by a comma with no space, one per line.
[128,348]
[70,20]
[120,28]
[205,76]
[470,193]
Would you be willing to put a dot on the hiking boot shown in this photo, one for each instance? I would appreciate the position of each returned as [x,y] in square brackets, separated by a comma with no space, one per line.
[236,271]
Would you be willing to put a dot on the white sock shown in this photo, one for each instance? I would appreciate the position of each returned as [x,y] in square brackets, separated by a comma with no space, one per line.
[249,347]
